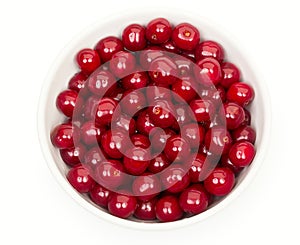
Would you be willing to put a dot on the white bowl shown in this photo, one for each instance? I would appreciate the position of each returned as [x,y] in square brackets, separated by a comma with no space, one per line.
[64,67]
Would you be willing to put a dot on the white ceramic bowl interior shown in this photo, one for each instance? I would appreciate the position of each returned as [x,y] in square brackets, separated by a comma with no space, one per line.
[64,67]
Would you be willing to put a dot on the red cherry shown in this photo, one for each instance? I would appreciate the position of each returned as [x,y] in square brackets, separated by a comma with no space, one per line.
[231,74]
[161,114]
[101,82]
[134,38]
[203,110]
[135,80]
[122,64]
[73,156]
[169,46]
[247,120]
[122,205]
[132,102]
[100,195]
[209,49]
[185,36]
[225,162]
[124,122]
[167,209]
[194,134]
[194,199]
[90,134]
[88,60]
[208,72]
[146,186]
[182,116]
[90,107]
[93,157]
[143,123]
[242,133]
[108,46]
[242,154]
[240,93]
[177,149]
[140,140]
[147,55]
[136,160]
[200,168]
[155,92]
[158,31]
[77,83]
[62,136]
[158,163]
[234,115]
[145,210]
[184,89]
[184,66]
[105,111]
[159,138]
[79,177]
[66,101]
[220,182]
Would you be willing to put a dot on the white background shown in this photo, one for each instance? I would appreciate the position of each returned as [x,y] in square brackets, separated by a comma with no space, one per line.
[33,207]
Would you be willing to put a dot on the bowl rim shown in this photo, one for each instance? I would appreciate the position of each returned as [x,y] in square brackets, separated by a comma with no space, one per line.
[43,135]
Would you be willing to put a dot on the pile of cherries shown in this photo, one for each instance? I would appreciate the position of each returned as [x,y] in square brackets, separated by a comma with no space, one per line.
[157,124]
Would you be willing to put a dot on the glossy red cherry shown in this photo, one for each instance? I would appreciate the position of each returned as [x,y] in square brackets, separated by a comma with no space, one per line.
[247,120]
[240,93]
[163,70]
[242,133]
[200,168]
[194,199]
[73,156]
[177,149]
[158,163]
[100,195]
[203,110]
[234,115]
[155,92]
[241,154]
[185,36]
[146,186]
[116,92]
[225,162]
[158,31]
[182,116]
[88,60]
[162,114]
[105,111]
[194,134]
[140,140]
[134,37]
[110,174]
[93,157]
[77,83]
[66,101]
[159,138]
[175,178]
[132,101]
[184,66]
[231,74]
[79,177]
[167,209]
[147,55]
[124,122]
[108,46]
[90,107]
[63,135]
[101,82]
[90,134]
[135,80]
[184,88]
[143,123]
[208,72]
[122,64]
[169,46]
[145,210]
[136,160]
[209,49]
[122,205]
[218,140]
[114,143]
[220,182]
[217,95]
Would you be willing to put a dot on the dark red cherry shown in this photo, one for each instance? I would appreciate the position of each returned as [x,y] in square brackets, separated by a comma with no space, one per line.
[185,89]
[146,186]
[66,101]
[108,46]
[242,133]
[169,46]
[63,135]
[143,123]
[158,163]
[122,205]
[209,49]
[90,107]
[140,140]
[79,177]
[185,36]
[200,167]
[145,210]
[105,111]
[135,80]
[162,114]
[208,72]
[93,157]
[182,116]
[134,37]
[100,195]
[241,154]
[194,199]
[234,115]
[136,160]
[90,134]
[231,74]
[88,60]
[177,148]
[122,64]
[158,31]
[247,120]
[220,182]
[202,110]
[124,122]
[167,209]
[216,95]
[155,92]
[77,83]
[184,66]
[225,162]
[73,156]
[240,93]
[159,138]
[116,93]
[147,55]
[101,82]
[194,134]
[132,101]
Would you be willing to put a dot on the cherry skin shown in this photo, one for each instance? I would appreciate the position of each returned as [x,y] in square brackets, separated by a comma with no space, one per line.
[136,160]
[203,110]
[185,89]
[93,158]
[77,83]
[147,55]
[79,177]
[220,182]
[242,154]
[200,168]
[185,36]
[217,95]
[100,195]
[167,209]
[134,38]
[209,49]
[182,116]
[234,115]
[240,93]
[66,101]
[247,120]
[194,134]
[231,74]
[158,31]
[105,111]
[110,174]
[158,163]
[132,101]
[163,70]
[122,205]
[156,92]
[73,156]
[108,46]
[140,140]
[101,82]
[225,162]
[124,122]
[161,114]
[208,72]
[122,64]
[114,143]
[62,136]
[146,186]
[184,66]
[169,46]
[90,107]
[143,123]
[135,80]
[145,210]
[88,60]
[194,199]
[218,140]
[90,134]
[159,138]
[177,148]
[242,133]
